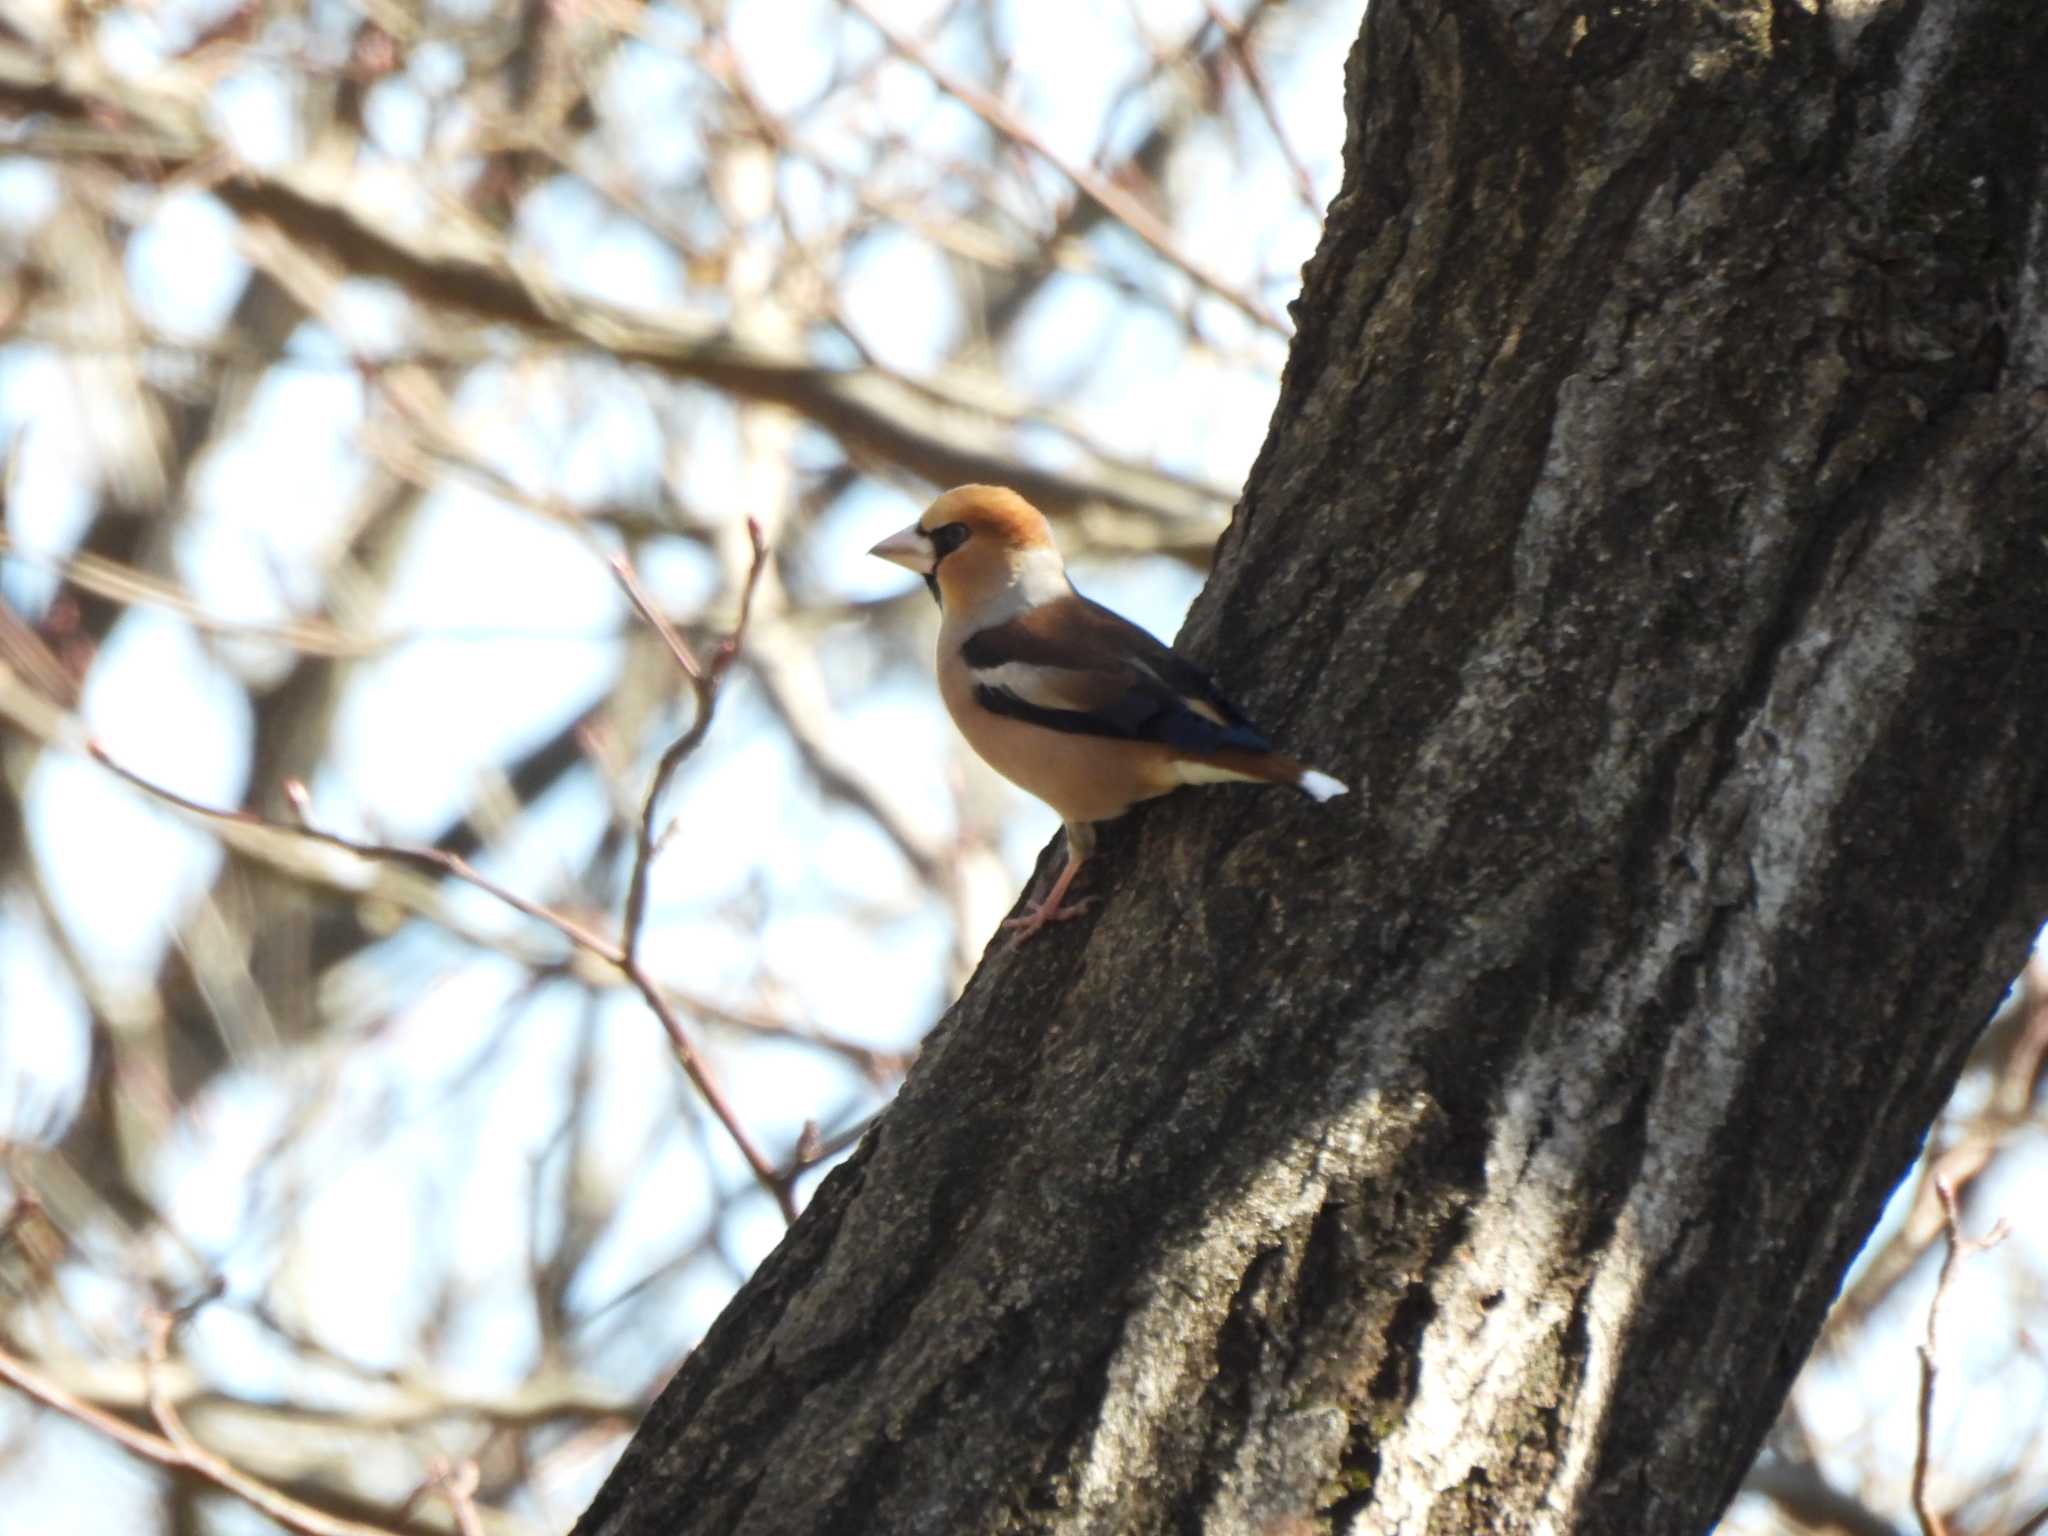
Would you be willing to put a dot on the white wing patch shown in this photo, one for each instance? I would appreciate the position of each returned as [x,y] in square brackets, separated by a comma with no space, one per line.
[1034,685]
[1189,771]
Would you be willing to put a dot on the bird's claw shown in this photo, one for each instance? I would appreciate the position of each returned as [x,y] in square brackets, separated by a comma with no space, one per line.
[1045,912]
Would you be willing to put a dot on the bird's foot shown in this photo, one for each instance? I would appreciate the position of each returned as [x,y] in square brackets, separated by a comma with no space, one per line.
[1051,910]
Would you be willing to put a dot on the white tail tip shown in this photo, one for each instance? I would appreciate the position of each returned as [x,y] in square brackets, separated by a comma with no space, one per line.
[1320,785]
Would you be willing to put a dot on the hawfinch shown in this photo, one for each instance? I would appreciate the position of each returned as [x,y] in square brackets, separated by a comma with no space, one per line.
[1059,695]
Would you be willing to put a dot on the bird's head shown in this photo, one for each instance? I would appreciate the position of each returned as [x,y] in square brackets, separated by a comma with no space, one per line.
[981,545]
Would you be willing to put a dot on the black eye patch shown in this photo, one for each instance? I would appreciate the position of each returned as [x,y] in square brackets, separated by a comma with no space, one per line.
[947,539]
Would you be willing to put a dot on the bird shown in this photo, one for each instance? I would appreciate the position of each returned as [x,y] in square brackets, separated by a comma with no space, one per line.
[1066,699]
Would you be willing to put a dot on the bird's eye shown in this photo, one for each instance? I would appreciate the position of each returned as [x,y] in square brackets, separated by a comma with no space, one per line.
[947,539]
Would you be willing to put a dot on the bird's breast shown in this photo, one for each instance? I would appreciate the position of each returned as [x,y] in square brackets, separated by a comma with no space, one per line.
[1083,778]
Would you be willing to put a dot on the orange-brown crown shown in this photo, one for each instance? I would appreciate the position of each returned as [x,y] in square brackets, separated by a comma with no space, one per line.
[992,511]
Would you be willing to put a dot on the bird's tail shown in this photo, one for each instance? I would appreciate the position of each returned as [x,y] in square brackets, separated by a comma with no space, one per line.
[1264,768]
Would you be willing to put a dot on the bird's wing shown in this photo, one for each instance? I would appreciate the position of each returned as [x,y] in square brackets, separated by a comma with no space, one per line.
[1072,665]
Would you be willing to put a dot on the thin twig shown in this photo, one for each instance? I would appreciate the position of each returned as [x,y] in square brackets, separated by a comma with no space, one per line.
[1120,205]
[942,438]
[620,953]
[176,1448]
[585,939]
[812,1148]
[622,569]
[1959,1248]
[707,1087]
[1808,1501]
[1255,80]
[395,853]
[704,681]
[458,1483]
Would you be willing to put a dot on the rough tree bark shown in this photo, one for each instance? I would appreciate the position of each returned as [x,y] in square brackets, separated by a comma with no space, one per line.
[1652,528]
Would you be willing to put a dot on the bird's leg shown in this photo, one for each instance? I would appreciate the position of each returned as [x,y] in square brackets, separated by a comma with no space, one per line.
[1080,843]
[1050,910]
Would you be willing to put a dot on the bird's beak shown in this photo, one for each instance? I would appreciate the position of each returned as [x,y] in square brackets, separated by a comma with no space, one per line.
[908,548]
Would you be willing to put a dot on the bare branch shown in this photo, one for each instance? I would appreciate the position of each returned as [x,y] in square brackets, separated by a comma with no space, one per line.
[177,1449]
[457,1483]
[1120,205]
[1255,82]
[1806,1496]
[704,681]
[1931,1521]
[580,936]
[943,439]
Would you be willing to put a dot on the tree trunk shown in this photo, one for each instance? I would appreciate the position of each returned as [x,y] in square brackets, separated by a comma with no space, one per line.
[1651,528]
